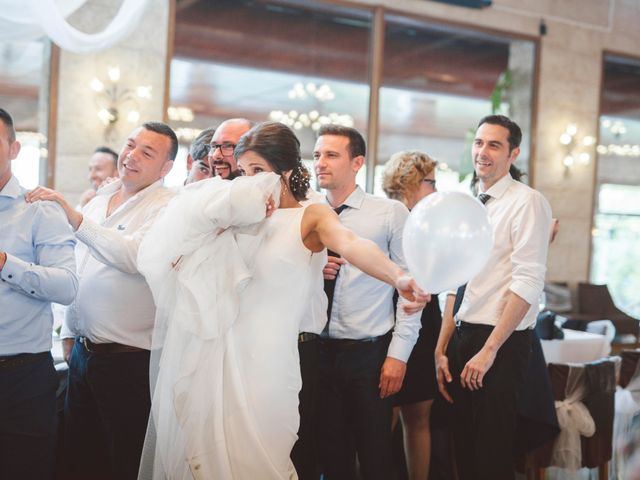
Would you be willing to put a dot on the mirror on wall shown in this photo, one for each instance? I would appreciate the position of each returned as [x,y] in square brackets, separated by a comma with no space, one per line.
[21,86]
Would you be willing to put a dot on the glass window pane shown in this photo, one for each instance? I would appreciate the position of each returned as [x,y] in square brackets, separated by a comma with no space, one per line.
[21,67]
[615,259]
[438,81]
[237,59]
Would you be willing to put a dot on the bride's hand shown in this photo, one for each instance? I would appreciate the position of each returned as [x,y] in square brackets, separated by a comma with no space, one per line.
[270,206]
[409,289]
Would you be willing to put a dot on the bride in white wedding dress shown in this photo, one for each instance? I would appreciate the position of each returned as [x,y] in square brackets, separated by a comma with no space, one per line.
[233,266]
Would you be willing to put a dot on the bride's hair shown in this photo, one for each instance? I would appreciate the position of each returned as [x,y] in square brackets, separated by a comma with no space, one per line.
[278,145]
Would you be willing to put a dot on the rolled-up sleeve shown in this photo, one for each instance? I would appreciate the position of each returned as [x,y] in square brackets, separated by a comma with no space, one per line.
[51,275]
[530,237]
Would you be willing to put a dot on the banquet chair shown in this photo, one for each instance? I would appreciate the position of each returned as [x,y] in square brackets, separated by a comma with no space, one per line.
[593,385]
[594,302]
[629,366]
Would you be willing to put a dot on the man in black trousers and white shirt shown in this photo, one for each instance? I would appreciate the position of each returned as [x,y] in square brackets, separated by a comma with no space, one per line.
[488,338]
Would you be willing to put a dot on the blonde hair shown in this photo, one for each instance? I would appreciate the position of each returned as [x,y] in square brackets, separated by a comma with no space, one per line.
[404,172]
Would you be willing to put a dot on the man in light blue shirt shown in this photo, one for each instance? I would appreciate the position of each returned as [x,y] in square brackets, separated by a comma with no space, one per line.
[36,268]
[366,345]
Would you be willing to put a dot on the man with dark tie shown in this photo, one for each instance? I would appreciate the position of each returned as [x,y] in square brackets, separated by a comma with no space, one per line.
[37,267]
[364,349]
[484,345]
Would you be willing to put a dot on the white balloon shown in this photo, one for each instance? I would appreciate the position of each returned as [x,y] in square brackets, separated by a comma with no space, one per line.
[447,240]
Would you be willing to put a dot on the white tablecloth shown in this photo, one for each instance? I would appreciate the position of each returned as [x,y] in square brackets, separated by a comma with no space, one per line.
[576,347]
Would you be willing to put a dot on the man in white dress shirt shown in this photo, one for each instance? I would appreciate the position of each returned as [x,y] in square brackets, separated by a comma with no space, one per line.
[364,350]
[490,333]
[108,328]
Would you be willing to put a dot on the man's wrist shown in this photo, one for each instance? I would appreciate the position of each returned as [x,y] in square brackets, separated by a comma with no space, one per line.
[3,260]
[75,219]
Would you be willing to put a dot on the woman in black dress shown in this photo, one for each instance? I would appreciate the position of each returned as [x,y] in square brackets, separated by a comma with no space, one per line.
[409,177]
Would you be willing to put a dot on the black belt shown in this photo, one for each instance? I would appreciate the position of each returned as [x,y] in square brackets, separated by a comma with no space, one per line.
[13,361]
[307,337]
[349,342]
[460,325]
[89,346]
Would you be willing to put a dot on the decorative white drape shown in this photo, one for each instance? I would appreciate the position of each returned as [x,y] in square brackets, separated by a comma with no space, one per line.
[574,420]
[31,19]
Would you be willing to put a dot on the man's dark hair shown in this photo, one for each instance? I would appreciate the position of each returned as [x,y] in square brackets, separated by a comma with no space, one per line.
[200,146]
[8,122]
[108,151]
[357,146]
[515,134]
[167,131]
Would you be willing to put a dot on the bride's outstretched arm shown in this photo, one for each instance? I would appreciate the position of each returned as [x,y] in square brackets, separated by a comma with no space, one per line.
[324,227]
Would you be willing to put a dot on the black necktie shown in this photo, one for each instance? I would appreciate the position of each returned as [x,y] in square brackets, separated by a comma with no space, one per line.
[330,285]
[484,198]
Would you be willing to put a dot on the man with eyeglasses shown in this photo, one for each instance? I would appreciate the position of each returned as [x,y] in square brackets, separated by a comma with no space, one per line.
[198,161]
[222,145]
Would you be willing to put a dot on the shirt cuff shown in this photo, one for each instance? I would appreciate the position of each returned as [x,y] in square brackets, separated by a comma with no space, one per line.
[66,333]
[399,348]
[13,270]
[530,293]
[86,232]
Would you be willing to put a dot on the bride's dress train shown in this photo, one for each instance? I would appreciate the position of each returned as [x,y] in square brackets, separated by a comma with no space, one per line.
[230,291]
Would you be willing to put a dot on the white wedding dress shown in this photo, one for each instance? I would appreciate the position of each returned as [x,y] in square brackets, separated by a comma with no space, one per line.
[225,402]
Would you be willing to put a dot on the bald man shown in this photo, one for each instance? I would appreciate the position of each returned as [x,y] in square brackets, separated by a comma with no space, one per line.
[223,144]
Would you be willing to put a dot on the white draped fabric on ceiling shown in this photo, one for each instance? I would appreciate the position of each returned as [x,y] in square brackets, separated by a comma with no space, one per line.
[32,19]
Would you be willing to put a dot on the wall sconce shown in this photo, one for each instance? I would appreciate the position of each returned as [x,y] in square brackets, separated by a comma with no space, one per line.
[112,100]
[575,150]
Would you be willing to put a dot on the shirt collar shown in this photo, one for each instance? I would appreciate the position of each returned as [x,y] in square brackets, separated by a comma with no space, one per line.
[354,200]
[500,187]
[12,188]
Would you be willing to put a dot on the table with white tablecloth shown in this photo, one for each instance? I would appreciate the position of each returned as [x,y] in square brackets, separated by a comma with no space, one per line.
[576,347]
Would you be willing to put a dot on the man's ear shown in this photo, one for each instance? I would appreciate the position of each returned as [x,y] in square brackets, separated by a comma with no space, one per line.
[166,168]
[514,154]
[189,161]
[357,162]
[14,150]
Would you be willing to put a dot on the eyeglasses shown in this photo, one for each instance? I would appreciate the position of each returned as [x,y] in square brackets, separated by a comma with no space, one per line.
[225,148]
[430,181]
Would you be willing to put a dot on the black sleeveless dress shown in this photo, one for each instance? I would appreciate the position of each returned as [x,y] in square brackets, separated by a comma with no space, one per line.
[420,380]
